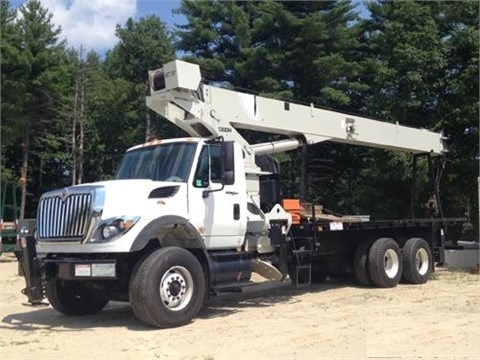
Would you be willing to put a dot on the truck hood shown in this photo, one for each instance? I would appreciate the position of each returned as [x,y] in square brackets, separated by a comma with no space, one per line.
[144,198]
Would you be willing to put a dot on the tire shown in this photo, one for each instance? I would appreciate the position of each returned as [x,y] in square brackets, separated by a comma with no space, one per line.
[360,263]
[167,288]
[417,261]
[319,272]
[69,300]
[385,263]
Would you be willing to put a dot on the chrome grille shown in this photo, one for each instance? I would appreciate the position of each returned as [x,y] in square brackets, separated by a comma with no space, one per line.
[64,218]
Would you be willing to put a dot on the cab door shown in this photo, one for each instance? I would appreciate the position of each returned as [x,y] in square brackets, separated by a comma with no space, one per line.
[216,199]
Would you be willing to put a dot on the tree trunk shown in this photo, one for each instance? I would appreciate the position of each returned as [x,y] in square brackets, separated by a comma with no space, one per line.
[24,173]
[148,135]
[82,132]
[74,136]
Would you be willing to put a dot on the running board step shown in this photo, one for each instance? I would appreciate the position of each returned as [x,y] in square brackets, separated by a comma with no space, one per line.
[302,275]
[235,287]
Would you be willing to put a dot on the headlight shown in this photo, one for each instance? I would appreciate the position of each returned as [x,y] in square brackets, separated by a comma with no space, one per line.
[109,229]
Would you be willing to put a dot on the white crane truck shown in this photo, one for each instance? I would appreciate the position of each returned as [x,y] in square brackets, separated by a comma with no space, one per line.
[187,218]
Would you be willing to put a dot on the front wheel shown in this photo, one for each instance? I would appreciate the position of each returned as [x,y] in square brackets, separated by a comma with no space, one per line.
[167,288]
[69,299]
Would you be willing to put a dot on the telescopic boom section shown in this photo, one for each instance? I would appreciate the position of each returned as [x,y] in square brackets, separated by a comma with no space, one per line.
[204,110]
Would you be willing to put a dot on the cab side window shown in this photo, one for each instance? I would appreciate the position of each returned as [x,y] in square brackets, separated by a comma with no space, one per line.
[209,167]
[201,173]
[216,163]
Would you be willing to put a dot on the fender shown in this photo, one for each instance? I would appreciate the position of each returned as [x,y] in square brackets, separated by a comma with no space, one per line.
[170,230]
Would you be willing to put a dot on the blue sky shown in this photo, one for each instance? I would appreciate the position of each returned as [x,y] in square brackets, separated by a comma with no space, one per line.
[91,23]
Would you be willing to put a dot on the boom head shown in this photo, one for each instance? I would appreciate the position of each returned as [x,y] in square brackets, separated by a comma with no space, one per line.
[175,75]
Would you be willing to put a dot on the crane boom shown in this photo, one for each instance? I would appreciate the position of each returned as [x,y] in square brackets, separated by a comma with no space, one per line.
[204,110]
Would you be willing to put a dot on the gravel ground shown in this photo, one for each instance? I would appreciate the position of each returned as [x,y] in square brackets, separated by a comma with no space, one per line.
[437,320]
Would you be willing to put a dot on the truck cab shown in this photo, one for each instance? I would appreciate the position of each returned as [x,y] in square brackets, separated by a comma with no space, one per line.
[197,182]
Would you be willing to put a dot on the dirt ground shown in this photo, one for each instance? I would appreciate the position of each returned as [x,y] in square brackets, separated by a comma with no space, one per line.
[338,319]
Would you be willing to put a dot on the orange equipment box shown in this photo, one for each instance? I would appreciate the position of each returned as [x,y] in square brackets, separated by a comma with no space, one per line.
[293,207]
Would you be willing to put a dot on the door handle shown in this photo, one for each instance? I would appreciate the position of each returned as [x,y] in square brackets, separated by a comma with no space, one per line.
[236,212]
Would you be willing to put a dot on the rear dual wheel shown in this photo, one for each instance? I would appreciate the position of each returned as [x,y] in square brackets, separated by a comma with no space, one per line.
[417,261]
[378,263]
[383,264]
[360,263]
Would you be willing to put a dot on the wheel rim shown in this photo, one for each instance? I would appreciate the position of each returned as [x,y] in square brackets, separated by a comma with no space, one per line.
[422,261]
[176,288]
[391,263]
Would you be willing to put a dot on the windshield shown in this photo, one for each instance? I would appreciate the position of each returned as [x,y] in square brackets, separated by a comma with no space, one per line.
[164,162]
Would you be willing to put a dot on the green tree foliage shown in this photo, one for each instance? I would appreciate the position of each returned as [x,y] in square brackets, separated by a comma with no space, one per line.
[143,45]
[281,49]
[115,118]
[458,108]
[215,34]
[100,147]
[423,62]
[241,43]
[401,59]
[36,73]
[10,88]
[410,59]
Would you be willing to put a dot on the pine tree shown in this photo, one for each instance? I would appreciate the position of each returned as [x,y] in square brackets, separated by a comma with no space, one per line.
[44,81]
[143,45]
[11,90]
[458,109]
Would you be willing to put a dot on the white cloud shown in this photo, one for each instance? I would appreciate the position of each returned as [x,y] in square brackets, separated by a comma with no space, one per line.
[90,23]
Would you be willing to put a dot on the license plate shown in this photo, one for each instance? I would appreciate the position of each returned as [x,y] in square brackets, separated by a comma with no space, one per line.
[103,270]
[95,270]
